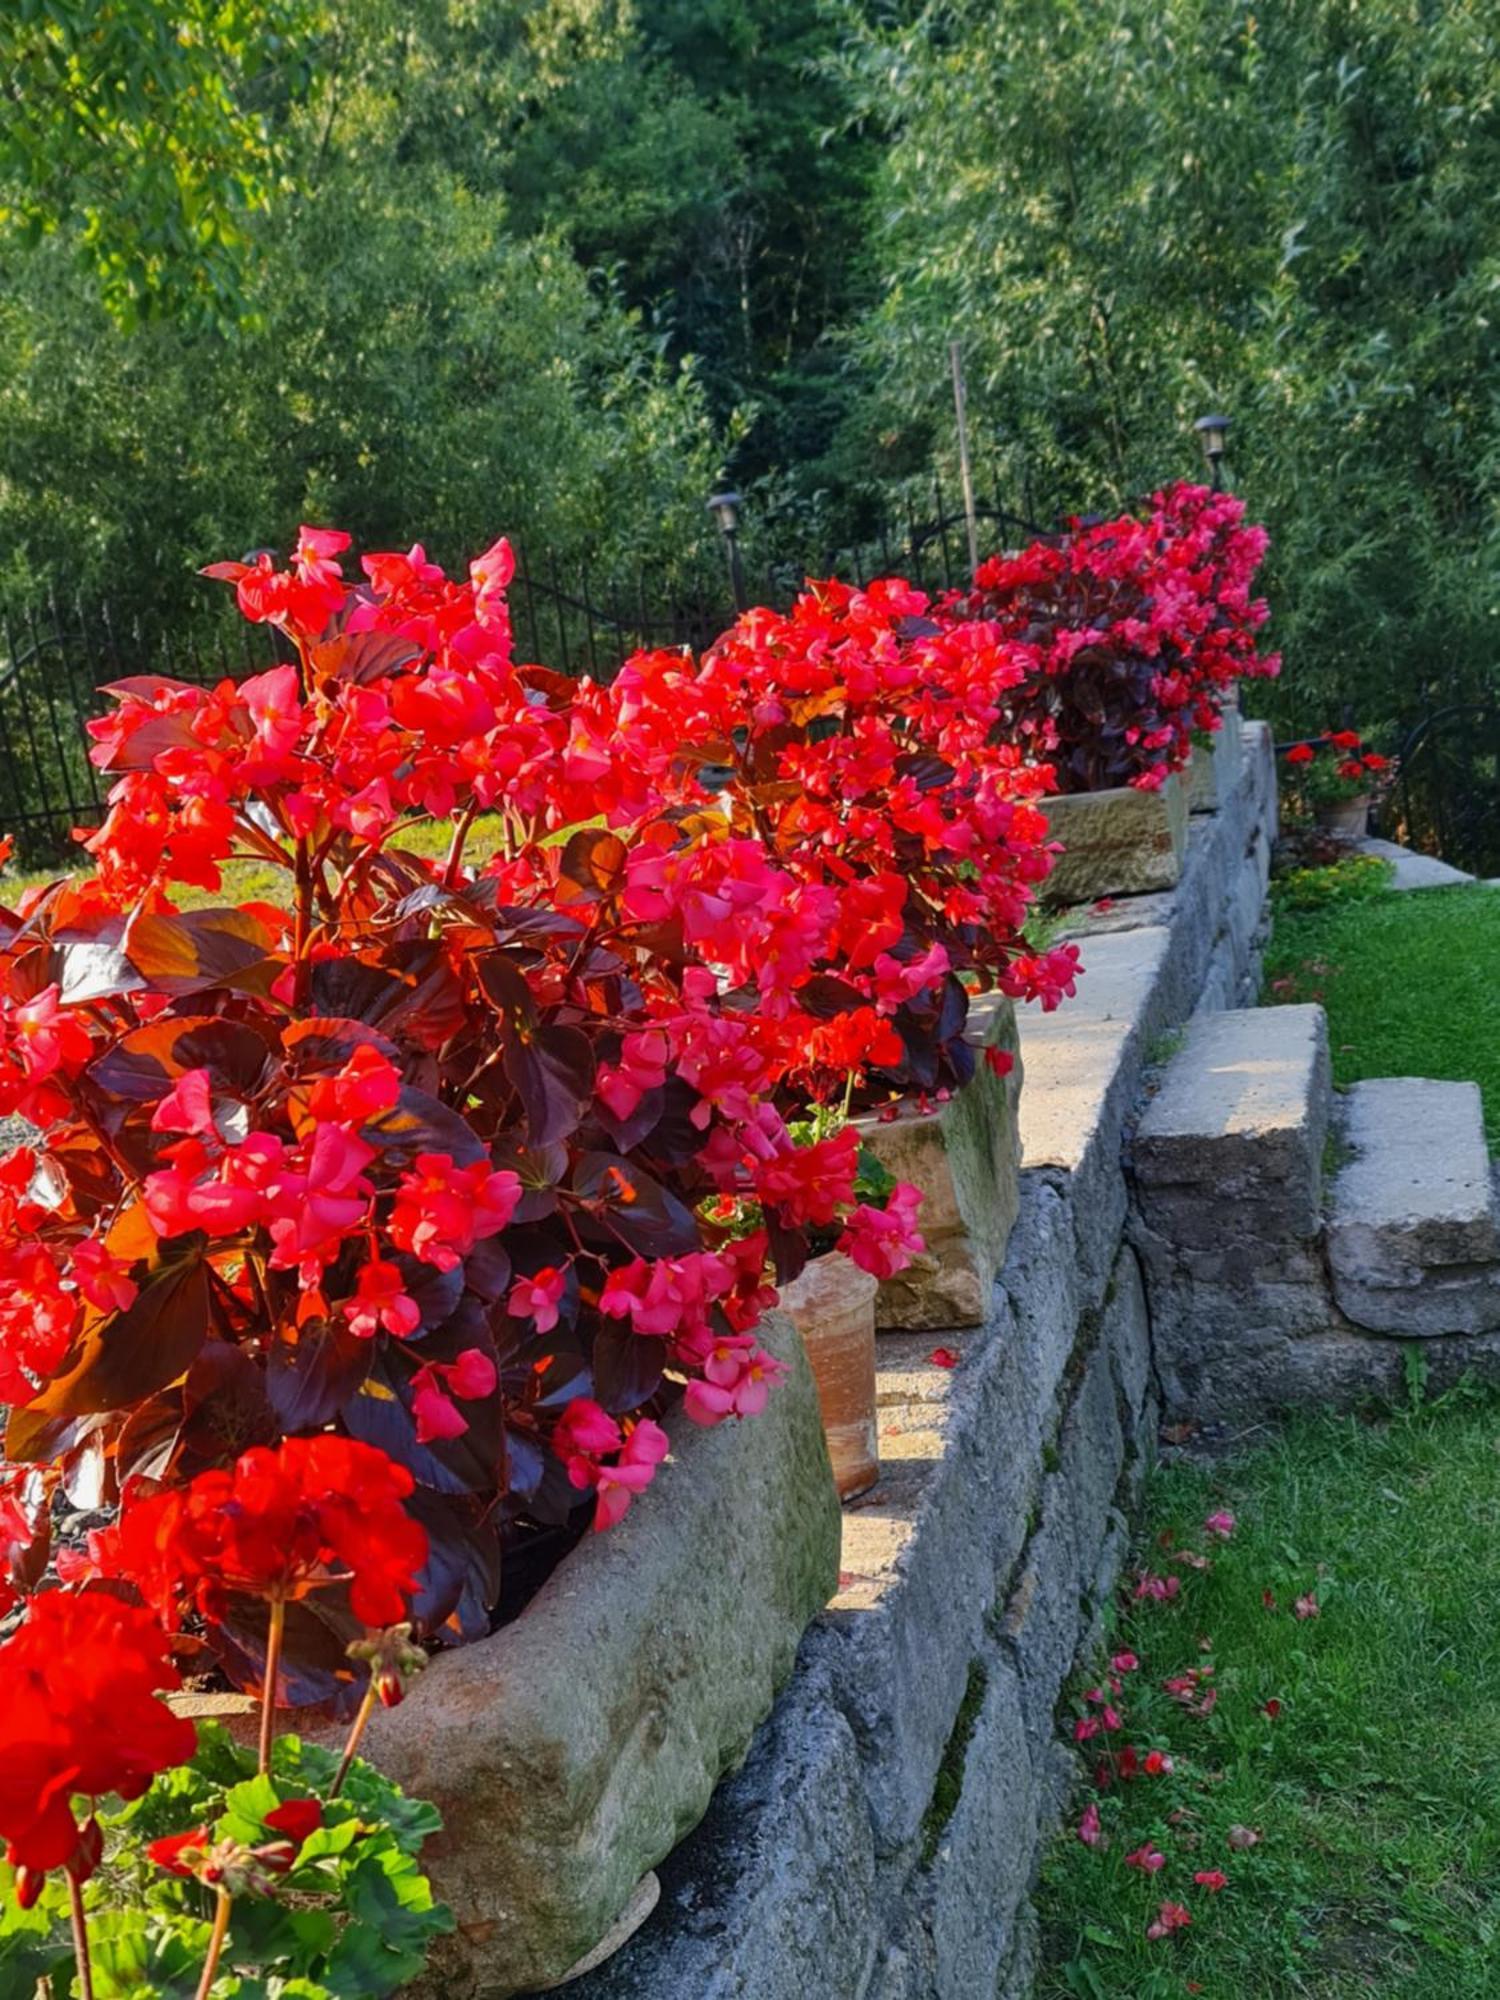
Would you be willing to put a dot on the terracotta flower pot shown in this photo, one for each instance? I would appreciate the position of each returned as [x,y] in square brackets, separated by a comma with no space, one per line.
[832,1306]
[1346,816]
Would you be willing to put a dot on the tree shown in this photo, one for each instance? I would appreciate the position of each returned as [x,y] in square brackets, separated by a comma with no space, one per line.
[145,131]
[1136,211]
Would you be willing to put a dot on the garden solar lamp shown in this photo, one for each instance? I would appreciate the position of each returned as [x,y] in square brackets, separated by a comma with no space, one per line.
[725,508]
[1212,435]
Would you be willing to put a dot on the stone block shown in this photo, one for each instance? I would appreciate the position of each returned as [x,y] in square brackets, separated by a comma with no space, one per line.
[1214,769]
[1122,842]
[1413,1242]
[775,1894]
[979,1874]
[965,1156]
[574,1749]
[1232,1143]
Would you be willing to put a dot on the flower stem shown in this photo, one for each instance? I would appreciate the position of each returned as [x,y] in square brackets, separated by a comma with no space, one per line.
[273,1668]
[80,1940]
[215,1943]
[356,1730]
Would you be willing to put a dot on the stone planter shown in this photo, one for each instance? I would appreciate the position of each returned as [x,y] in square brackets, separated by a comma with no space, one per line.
[1121,842]
[965,1156]
[1214,767]
[832,1306]
[573,1750]
[1347,817]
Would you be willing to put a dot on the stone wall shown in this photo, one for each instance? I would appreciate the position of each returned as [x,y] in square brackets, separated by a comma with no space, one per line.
[880,1840]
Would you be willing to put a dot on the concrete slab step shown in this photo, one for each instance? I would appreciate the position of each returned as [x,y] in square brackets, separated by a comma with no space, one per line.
[1413,1238]
[1233,1140]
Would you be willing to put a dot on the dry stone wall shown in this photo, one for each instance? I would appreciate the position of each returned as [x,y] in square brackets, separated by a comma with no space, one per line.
[880,1840]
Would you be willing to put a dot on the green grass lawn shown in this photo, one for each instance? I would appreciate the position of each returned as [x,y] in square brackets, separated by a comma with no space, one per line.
[1411,984]
[1375,1792]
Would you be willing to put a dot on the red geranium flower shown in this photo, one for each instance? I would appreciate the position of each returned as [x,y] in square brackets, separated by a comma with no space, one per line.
[80,1717]
[277,1525]
[1301,753]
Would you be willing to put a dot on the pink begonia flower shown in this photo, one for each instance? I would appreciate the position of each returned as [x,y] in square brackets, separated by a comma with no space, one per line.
[381,1300]
[1220,1524]
[538,1297]
[631,1474]
[1147,1858]
[1089,1830]
[187,1107]
[737,1376]
[884,1241]
[437,1383]
[102,1278]
[1307,1606]
[642,1067]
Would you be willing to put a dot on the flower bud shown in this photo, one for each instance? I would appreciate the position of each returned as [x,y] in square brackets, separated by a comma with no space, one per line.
[29,1883]
[393,1658]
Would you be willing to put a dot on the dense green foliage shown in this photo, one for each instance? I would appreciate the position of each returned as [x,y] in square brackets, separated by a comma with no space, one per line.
[1373,1790]
[553,265]
[1137,210]
[1411,983]
[147,127]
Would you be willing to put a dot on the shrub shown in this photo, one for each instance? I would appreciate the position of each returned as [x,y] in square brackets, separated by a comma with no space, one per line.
[1352,879]
[1127,635]
[448,1159]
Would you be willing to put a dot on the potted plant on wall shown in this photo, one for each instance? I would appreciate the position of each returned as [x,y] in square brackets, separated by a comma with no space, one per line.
[1125,637]
[1336,780]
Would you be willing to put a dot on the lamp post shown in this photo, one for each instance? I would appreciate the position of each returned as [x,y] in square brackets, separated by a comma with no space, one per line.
[1213,433]
[725,508]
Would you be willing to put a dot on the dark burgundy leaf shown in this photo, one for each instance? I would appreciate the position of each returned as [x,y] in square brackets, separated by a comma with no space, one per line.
[633,1209]
[461,1577]
[197,949]
[593,864]
[362,657]
[310,1380]
[131,1354]
[315,1665]
[418,1123]
[627,1368]
[552,1072]
[506,987]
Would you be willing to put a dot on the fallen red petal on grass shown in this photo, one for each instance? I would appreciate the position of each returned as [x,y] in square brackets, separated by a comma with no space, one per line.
[1147,1858]
[1158,1764]
[1268,1599]
[1170,1917]
[1089,1830]
[1212,1879]
[1307,1606]
[1271,1709]
[1124,1663]
[1220,1524]
[1241,1837]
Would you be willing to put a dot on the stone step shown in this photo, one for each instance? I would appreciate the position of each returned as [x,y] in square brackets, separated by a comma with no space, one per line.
[1232,1143]
[1413,1239]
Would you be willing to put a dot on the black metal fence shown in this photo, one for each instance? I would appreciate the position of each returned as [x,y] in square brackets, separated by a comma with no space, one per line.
[1446,798]
[55,656]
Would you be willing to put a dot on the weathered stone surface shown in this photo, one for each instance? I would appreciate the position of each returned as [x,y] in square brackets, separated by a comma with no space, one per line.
[573,1750]
[979,1875]
[965,1156]
[1214,768]
[1118,843]
[774,1896]
[1414,871]
[1231,1146]
[1413,1242]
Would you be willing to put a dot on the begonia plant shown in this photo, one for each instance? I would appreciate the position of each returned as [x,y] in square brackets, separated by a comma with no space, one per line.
[1129,634]
[431,1154]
